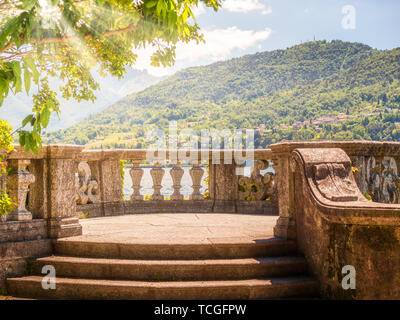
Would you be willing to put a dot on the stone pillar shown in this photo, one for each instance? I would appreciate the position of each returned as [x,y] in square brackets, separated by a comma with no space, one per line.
[136,174]
[110,181]
[38,190]
[196,173]
[176,175]
[285,226]
[224,188]
[61,192]
[18,186]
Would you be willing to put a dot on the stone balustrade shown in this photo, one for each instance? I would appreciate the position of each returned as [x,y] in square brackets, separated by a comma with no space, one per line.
[336,227]
[319,189]
[374,165]
[100,192]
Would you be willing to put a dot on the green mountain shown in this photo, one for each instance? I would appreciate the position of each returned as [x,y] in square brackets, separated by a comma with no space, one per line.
[315,90]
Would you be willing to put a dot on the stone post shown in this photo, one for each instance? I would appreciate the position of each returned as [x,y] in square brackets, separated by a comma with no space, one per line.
[18,186]
[285,226]
[38,190]
[61,192]
[223,187]
[110,181]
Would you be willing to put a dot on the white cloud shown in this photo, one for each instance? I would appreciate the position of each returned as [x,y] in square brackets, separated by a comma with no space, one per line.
[245,6]
[219,45]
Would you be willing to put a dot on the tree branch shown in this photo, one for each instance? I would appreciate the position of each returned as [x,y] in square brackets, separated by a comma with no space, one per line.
[68,39]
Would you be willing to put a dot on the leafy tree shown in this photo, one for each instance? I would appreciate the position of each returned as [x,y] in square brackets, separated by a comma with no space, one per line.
[67,39]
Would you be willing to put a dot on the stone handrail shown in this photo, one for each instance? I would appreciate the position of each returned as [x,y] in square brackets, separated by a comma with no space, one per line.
[336,226]
[375,171]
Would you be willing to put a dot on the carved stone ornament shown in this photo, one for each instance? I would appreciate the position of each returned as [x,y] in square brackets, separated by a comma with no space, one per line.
[87,189]
[332,180]
[18,187]
[328,173]
[257,186]
[382,179]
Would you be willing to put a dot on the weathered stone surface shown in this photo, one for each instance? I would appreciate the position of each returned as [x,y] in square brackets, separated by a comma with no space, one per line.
[336,226]
[111,184]
[62,198]
[23,230]
[14,255]
[38,204]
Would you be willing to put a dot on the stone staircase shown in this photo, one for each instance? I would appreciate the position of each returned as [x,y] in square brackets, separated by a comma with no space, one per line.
[263,269]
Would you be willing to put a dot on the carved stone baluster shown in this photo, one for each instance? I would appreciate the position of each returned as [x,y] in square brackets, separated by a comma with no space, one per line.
[157,174]
[136,174]
[257,186]
[18,186]
[87,189]
[196,173]
[176,174]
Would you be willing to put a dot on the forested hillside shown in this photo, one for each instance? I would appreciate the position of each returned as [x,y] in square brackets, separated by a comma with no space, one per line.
[316,90]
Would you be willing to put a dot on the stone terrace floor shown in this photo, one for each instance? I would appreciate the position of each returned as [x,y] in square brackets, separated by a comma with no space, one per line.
[180,228]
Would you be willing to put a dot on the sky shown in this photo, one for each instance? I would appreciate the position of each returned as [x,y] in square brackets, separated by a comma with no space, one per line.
[243,27]
[249,26]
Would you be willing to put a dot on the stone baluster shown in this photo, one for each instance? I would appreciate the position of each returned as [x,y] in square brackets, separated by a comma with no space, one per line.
[157,174]
[176,174]
[18,186]
[196,173]
[136,174]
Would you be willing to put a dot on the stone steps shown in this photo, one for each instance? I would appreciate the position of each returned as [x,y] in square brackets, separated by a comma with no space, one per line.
[70,288]
[248,270]
[271,247]
[167,270]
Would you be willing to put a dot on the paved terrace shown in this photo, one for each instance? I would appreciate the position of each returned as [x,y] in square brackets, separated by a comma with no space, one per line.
[186,228]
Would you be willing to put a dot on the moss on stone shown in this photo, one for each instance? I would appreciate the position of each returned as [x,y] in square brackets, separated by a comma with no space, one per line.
[378,238]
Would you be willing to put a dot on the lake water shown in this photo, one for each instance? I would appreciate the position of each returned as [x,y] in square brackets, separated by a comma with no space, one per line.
[167,190]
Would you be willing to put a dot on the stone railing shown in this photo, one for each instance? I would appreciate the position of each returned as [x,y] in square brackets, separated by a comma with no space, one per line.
[320,190]
[374,165]
[99,190]
[42,188]
[338,228]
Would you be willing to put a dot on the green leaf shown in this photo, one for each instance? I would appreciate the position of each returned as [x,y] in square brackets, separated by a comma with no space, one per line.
[27,119]
[29,62]
[151,4]
[27,79]
[22,138]
[8,29]
[45,117]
